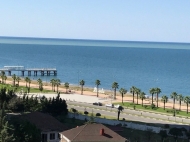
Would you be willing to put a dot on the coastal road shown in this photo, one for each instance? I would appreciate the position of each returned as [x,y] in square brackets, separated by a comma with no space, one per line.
[131,114]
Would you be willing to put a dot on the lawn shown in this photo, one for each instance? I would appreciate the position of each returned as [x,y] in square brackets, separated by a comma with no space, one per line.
[155,109]
[24,89]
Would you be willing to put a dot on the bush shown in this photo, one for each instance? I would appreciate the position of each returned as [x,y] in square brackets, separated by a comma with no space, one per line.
[123,119]
[98,114]
[119,125]
[152,106]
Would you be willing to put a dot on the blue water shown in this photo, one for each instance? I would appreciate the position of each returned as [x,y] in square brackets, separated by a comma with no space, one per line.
[141,64]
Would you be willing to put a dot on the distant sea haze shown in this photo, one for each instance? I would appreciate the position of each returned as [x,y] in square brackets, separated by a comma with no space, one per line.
[141,64]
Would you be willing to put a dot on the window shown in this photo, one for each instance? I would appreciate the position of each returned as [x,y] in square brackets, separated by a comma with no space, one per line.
[44,137]
[52,136]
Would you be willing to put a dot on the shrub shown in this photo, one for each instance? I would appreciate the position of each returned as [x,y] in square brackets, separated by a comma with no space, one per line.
[98,114]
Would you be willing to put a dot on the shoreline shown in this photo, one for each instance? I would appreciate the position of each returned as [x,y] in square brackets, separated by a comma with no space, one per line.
[89,92]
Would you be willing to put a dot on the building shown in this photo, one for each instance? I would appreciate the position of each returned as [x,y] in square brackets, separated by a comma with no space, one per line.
[49,126]
[91,133]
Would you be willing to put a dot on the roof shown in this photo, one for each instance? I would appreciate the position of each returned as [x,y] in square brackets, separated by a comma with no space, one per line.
[91,133]
[44,122]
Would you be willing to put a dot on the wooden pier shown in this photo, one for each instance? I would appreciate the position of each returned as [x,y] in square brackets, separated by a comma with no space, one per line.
[35,71]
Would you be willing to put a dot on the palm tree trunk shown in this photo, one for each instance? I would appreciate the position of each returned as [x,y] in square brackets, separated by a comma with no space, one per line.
[187,108]
[137,98]
[82,90]
[57,88]
[174,104]
[152,98]
[180,105]
[133,97]
[114,93]
[157,99]
[52,87]
[142,102]
[164,105]
[122,98]
[97,90]
[118,115]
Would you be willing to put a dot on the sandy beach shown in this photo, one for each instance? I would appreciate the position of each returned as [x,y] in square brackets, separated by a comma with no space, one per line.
[104,98]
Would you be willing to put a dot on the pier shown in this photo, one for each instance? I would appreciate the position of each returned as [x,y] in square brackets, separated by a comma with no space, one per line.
[30,71]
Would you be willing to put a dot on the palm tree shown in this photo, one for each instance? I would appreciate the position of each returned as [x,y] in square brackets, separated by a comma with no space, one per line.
[2,76]
[180,98]
[39,82]
[52,81]
[14,78]
[57,83]
[132,90]
[82,83]
[164,100]
[97,83]
[157,91]
[120,108]
[26,80]
[115,86]
[18,80]
[137,91]
[29,81]
[152,91]
[122,92]
[142,96]
[66,85]
[187,101]
[174,97]
[5,78]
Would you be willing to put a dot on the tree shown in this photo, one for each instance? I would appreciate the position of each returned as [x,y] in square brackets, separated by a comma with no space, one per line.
[14,78]
[57,83]
[5,78]
[66,85]
[115,86]
[152,92]
[187,101]
[163,134]
[29,81]
[97,83]
[122,92]
[52,81]
[26,80]
[164,100]
[120,108]
[7,133]
[174,97]
[132,90]
[137,91]
[98,114]
[142,96]
[180,99]
[82,83]
[157,91]
[176,132]
[74,111]
[2,76]
[18,80]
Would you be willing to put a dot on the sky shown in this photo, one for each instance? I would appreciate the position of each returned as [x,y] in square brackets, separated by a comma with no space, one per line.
[128,20]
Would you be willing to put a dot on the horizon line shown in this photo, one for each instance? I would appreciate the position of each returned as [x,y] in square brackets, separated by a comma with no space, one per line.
[54,38]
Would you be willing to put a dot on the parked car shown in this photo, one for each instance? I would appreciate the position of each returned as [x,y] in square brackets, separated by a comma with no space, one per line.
[109,105]
[97,104]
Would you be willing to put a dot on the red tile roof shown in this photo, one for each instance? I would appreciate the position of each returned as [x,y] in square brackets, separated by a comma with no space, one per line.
[91,133]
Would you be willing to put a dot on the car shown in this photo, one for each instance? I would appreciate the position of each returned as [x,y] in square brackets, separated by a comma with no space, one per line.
[109,105]
[97,104]
[116,106]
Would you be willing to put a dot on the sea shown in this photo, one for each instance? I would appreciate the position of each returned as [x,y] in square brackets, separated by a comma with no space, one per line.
[144,65]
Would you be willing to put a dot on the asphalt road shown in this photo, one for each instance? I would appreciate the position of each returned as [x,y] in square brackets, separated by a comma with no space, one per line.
[129,114]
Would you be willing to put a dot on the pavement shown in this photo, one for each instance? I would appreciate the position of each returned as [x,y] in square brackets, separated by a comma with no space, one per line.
[82,102]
